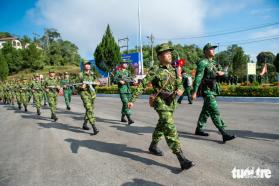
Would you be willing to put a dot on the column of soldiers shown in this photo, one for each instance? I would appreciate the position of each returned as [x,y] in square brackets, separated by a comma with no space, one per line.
[167,85]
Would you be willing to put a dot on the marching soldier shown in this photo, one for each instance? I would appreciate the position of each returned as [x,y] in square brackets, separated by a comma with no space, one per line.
[167,85]
[88,95]
[123,79]
[205,83]
[52,87]
[67,90]
[24,89]
[37,91]
[187,83]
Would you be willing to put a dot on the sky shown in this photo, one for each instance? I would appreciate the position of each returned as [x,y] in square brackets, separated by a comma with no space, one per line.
[83,22]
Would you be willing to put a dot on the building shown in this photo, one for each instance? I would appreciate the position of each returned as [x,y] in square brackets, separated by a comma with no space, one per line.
[15,42]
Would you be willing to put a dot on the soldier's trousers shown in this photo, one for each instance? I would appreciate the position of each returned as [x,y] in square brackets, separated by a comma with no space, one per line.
[88,99]
[24,98]
[165,127]
[185,93]
[18,99]
[45,98]
[52,101]
[38,97]
[68,96]
[210,109]
[125,97]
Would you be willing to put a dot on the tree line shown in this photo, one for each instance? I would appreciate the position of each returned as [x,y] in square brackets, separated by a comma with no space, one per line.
[48,50]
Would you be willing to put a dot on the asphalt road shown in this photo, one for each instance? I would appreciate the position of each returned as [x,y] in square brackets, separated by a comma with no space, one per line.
[34,150]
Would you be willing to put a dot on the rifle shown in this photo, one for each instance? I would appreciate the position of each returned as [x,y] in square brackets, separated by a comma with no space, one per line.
[90,84]
[53,88]
[168,97]
[128,80]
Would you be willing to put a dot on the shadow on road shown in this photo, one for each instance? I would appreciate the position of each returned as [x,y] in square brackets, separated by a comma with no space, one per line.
[111,121]
[118,150]
[62,126]
[255,135]
[193,136]
[137,181]
[134,129]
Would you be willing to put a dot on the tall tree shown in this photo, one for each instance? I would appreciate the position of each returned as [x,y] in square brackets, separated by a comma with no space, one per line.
[33,57]
[25,40]
[107,54]
[267,58]
[4,69]
[276,62]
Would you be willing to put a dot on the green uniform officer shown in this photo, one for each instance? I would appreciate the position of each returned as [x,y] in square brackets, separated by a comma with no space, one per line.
[206,85]
[51,85]
[65,83]
[88,94]
[37,91]
[123,78]
[167,85]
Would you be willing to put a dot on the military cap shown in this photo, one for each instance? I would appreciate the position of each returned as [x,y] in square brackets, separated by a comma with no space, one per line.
[51,71]
[66,73]
[37,75]
[163,47]
[209,46]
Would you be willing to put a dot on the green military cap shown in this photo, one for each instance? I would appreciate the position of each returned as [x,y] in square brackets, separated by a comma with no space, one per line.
[209,46]
[37,75]
[51,71]
[163,47]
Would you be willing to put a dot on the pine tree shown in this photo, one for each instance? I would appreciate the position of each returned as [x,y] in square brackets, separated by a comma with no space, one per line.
[107,54]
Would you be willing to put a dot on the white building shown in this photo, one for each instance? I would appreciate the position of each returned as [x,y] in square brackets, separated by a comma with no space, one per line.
[15,42]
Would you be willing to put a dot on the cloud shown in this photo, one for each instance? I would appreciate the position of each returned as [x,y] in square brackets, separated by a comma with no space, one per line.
[269,32]
[84,22]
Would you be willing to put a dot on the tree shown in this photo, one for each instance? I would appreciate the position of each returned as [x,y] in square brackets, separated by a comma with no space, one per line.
[4,69]
[239,62]
[267,58]
[25,40]
[276,62]
[33,57]
[13,57]
[107,54]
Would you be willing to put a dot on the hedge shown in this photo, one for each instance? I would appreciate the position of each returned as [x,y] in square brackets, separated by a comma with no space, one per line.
[226,90]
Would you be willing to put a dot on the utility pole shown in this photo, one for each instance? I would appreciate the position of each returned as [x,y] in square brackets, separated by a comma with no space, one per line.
[151,37]
[140,41]
[126,45]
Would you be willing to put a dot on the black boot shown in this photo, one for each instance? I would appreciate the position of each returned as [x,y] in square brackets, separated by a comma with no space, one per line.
[225,135]
[68,108]
[95,130]
[54,117]
[84,126]
[38,112]
[123,119]
[25,109]
[200,132]
[130,121]
[19,107]
[153,149]
[184,163]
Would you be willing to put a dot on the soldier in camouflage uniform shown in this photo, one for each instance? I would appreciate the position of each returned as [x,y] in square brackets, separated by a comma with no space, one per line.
[37,90]
[17,94]
[123,78]
[51,85]
[167,85]
[24,89]
[186,81]
[65,83]
[88,94]
[205,83]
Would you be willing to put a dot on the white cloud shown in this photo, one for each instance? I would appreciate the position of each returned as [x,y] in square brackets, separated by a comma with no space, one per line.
[83,22]
[269,32]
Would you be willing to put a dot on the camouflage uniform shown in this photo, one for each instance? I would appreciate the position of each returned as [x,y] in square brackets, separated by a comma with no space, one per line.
[53,85]
[23,94]
[67,92]
[37,89]
[206,85]
[158,76]
[88,96]
[125,93]
[187,89]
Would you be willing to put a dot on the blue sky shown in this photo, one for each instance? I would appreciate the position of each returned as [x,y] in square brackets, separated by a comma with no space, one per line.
[83,22]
